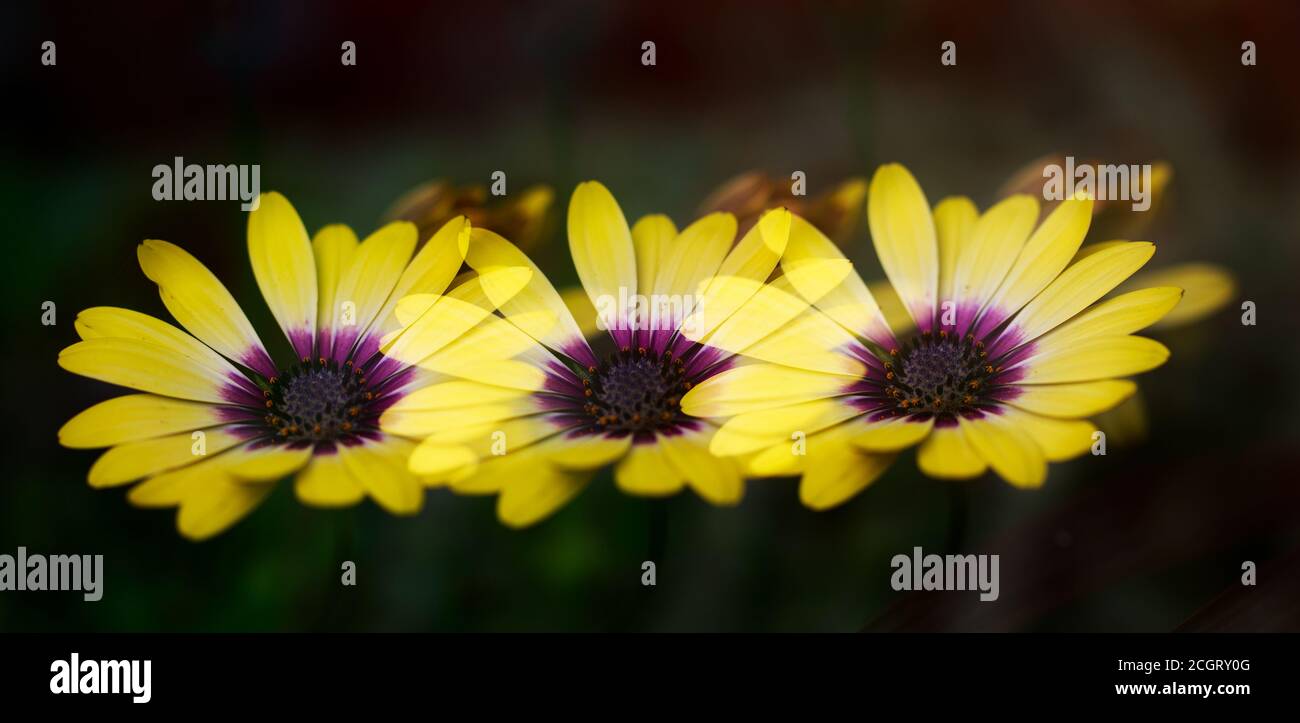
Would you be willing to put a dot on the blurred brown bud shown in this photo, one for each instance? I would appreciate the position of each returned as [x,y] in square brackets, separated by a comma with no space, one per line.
[1111,218]
[522,218]
[835,213]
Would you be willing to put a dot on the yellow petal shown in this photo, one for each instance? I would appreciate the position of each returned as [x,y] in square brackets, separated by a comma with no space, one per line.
[107,322]
[717,480]
[645,471]
[690,260]
[651,237]
[382,471]
[1059,439]
[753,387]
[444,322]
[779,460]
[332,247]
[536,308]
[434,460]
[202,305]
[432,269]
[133,460]
[753,431]
[284,267]
[1045,255]
[764,313]
[1085,281]
[144,366]
[989,253]
[484,353]
[210,499]
[1206,289]
[326,482]
[132,418]
[1096,358]
[212,507]
[890,435]
[601,245]
[266,463]
[1119,316]
[946,454]
[370,278]
[407,419]
[585,452]
[742,273]
[835,471]
[902,230]
[813,342]
[954,220]
[1073,401]
[1010,451]
[820,275]
[527,499]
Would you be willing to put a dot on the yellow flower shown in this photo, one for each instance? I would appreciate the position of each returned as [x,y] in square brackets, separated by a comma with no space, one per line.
[536,409]
[1009,357]
[219,422]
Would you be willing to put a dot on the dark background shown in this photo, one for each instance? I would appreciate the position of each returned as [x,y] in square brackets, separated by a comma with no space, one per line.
[1141,539]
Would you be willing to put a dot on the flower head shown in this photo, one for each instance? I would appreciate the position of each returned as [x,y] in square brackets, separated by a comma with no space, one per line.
[540,408]
[218,420]
[1006,358]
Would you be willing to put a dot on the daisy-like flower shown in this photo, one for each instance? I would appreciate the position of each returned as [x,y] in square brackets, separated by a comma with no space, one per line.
[218,422]
[542,409]
[1007,358]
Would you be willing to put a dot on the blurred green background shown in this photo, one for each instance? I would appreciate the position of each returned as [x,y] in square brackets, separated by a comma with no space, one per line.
[1149,537]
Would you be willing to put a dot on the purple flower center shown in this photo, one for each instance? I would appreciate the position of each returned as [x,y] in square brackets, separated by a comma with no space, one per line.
[320,401]
[938,374]
[635,391]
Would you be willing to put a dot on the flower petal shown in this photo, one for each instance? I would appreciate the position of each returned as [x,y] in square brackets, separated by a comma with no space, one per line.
[527,499]
[266,463]
[753,387]
[202,304]
[326,482]
[285,269]
[1045,255]
[368,281]
[822,276]
[536,308]
[1206,289]
[147,367]
[1073,401]
[1085,281]
[1010,451]
[133,460]
[753,431]
[651,237]
[902,230]
[835,470]
[381,467]
[646,471]
[946,454]
[890,435]
[135,417]
[717,480]
[1096,358]
[601,245]
[332,248]
[954,221]
[986,257]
